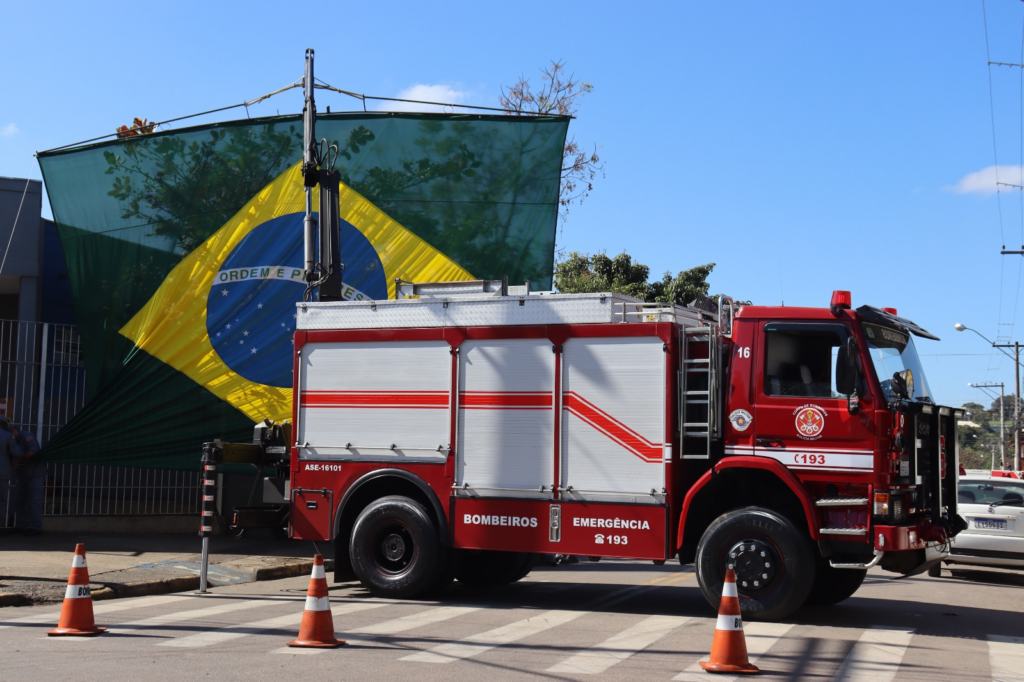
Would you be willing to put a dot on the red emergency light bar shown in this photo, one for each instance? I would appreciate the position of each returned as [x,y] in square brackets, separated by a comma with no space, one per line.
[891,311]
[841,300]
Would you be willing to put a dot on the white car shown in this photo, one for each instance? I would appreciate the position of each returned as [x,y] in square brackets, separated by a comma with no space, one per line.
[993,507]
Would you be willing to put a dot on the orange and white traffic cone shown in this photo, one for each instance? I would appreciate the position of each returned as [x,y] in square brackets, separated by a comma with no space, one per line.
[76,614]
[729,648]
[317,628]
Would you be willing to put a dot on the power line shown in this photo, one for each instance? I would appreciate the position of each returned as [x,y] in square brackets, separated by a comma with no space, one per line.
[992,113]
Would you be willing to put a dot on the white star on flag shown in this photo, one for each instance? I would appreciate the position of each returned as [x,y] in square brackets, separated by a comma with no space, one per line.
[253,350]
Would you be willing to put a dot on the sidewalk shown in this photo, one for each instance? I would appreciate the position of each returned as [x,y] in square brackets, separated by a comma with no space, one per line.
[34,570]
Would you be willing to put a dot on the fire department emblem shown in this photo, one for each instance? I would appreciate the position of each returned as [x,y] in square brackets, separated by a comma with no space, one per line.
[740,420]
[810,422]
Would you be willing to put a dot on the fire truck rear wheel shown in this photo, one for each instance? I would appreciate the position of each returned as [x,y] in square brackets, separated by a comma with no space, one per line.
[488,568]
[833,585]
[773,560]
[395,549]
[528,565]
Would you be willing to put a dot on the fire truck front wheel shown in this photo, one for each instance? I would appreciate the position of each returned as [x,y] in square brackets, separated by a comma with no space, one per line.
[833,585]
[395,549]
[773,560]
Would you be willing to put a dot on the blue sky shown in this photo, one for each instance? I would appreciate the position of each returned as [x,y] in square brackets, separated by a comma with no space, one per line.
[801,146]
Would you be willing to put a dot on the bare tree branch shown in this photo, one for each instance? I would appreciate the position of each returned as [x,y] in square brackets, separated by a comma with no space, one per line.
[560,94]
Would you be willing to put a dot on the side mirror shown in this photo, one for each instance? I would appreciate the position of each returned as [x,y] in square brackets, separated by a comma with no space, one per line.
[846,367]
[847,375]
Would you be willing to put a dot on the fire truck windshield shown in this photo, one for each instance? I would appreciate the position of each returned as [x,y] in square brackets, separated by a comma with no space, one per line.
[893,351]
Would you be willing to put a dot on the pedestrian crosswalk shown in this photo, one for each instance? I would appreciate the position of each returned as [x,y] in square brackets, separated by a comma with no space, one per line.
[553,642]
[485,641]
[619,646]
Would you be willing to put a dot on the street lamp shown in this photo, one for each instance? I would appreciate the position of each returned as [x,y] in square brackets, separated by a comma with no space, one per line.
[1002,423]
[1016,409]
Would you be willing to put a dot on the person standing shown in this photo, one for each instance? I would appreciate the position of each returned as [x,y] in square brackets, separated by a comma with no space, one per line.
[31,474]
[10,456]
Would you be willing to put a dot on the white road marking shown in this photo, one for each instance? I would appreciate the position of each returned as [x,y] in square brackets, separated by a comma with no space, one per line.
[876,656]
[410,622]
[760,638]
[1006,657]
[485,641]
[388,627]
[192,614]
[97,609]
[298,651]
[619,647]
[227,634]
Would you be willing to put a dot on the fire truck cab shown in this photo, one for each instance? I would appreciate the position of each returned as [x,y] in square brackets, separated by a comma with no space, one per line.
[465,429]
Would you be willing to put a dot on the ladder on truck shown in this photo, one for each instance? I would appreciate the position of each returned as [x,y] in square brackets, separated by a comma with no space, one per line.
[699,404]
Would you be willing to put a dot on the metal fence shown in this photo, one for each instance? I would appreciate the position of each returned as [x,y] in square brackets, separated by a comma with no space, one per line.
[85,490]
[42,377]
[42,386]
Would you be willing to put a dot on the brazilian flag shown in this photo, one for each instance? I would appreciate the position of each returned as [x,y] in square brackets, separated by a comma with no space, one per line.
[184,251]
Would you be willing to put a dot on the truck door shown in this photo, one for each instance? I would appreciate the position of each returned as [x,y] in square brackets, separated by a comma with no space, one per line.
[799,417]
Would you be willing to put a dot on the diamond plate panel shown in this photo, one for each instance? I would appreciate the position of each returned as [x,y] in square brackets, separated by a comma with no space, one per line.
[469,311]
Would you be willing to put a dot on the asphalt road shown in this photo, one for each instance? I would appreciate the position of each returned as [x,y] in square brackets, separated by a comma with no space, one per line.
[619,620]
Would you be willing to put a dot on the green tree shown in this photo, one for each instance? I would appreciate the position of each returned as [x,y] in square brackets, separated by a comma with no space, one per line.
[687,286]
[582,273]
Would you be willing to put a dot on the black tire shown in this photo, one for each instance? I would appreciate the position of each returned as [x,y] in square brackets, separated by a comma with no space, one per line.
[484,568]
[833,585]
[935,571]
[446,576]
[763,542]
[395,549]
[528,565]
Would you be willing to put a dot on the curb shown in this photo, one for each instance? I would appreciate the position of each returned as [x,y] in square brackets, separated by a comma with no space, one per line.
[290,570]
[14,599]
[103,591]
[146,588]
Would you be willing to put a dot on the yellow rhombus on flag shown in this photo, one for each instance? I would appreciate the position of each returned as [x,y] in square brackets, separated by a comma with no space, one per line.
[225,315]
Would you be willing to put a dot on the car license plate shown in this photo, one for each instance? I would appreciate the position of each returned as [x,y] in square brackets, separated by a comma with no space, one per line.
[990,524]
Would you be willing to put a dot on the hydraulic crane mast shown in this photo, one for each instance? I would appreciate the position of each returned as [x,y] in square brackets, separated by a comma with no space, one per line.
[321,247]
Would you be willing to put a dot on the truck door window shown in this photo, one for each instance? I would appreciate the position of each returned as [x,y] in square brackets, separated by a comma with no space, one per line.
[800,360]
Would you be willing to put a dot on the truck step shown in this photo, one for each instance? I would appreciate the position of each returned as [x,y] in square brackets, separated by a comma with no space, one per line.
[843,531]
[842,502]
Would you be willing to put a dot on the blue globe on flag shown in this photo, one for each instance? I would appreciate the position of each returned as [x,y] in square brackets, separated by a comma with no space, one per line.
[250,311]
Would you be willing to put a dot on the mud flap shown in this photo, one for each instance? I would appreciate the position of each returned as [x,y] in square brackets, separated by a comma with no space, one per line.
[933,556]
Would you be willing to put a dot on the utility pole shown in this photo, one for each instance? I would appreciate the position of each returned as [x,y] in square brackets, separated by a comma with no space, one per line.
[1002,421]
[1016,398]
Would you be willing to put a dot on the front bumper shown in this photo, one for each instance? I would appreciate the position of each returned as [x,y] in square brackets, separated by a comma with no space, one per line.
[907,538]
[911,550]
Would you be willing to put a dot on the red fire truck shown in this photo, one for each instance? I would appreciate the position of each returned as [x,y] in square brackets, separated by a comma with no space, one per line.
[466,429]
